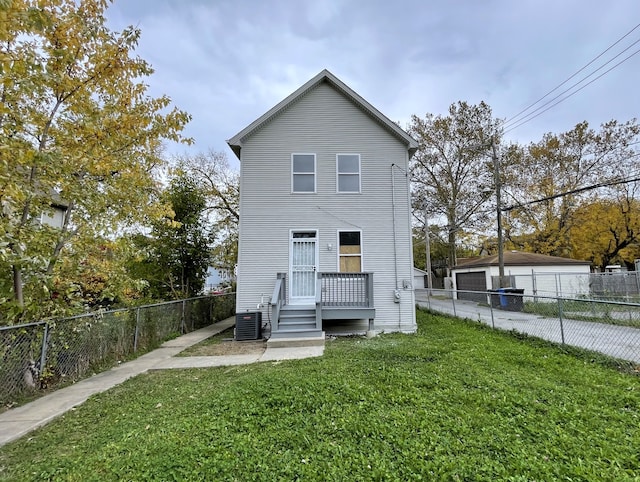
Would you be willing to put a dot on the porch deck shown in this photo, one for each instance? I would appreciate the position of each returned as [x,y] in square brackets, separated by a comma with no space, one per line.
[338,296]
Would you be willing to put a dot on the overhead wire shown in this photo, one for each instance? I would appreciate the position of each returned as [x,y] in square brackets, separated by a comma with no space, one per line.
[531,116]
[607,183]
[514,119]
[574,191]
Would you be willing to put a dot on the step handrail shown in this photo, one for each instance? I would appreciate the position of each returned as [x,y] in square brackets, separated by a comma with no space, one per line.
[278,299]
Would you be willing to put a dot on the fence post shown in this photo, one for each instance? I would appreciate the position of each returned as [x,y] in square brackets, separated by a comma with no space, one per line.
[137,331]
[454,294]
[45,342]
[183,328]
[626,289]
[560,317]
[493,324]
[192,317]
[560,283]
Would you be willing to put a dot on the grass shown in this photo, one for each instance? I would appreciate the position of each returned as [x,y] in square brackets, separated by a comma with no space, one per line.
[608,313]
[455,402]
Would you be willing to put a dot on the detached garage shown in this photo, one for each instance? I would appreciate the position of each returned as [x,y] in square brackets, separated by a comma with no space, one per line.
[471,281]
[536,274]
[419,279]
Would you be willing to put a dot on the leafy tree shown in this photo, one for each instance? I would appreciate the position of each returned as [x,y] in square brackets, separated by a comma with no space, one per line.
[221,187]
[76,123]
[563,163]
[607,231]
[452,171]
[178,249]
[98,276]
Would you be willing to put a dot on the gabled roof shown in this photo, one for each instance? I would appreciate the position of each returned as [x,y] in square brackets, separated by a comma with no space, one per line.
[520,258]
[58,202]
[325,76]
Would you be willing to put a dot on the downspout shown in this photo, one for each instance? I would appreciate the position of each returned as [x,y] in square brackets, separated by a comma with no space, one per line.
[396,292]
[393,216]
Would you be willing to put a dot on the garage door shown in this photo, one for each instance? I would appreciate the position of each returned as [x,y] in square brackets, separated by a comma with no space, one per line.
[472,282]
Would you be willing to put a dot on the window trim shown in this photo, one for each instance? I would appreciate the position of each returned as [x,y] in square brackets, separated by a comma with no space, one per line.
[315,173]
[338,255]
[338,173]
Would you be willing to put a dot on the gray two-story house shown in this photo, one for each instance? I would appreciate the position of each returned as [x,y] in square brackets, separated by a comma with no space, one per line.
[325,217]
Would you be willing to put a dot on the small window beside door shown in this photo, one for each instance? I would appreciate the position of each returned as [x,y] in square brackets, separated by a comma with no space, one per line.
[350,251]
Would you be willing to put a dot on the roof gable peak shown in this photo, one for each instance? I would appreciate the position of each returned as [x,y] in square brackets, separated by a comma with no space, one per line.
[235,142]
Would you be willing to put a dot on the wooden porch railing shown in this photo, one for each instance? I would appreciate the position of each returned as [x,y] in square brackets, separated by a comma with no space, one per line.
[346,289]
[345,296]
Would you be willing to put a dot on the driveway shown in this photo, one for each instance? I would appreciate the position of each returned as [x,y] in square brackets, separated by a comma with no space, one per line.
[617,341]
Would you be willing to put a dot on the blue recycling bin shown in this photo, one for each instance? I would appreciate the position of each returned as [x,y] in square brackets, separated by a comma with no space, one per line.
[511,299]
[494,298]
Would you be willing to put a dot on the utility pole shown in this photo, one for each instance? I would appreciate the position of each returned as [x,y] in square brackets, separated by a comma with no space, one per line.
[496,175]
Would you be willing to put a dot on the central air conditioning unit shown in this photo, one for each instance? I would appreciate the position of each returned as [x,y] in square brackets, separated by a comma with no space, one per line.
[248,326]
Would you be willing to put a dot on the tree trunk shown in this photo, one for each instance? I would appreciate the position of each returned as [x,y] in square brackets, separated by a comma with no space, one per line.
[452,249]
[17,286]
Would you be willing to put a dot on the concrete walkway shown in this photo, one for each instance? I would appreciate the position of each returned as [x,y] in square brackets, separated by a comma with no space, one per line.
[16,422]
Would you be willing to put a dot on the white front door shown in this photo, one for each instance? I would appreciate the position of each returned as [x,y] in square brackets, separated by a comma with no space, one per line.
[303,264]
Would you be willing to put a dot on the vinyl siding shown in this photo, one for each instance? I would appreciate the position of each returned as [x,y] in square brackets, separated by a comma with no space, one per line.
[325,122]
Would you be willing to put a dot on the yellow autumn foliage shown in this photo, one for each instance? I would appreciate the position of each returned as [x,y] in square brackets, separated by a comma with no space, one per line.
[78,127]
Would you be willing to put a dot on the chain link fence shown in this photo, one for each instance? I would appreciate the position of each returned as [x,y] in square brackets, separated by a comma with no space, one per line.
[38,357]
[608,327]
[620,286]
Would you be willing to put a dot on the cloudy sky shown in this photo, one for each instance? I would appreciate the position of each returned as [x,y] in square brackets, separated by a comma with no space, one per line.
[228,61]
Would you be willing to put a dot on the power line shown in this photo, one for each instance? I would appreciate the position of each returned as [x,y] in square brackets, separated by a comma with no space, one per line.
[531,116]
[513,119]
[574,191]
[573,75]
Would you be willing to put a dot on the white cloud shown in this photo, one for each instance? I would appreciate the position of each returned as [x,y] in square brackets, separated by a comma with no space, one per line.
[228,61]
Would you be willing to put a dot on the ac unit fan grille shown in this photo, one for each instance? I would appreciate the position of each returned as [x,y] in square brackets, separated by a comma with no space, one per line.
[248,326]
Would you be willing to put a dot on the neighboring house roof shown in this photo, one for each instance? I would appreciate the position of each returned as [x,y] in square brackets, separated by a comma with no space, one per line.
[519,258]
[58,203]
[325,76]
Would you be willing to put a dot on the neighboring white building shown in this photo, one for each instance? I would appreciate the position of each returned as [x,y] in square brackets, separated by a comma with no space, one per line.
[217,277]
[419,279]
[55,215]
[325,218]
[536,274]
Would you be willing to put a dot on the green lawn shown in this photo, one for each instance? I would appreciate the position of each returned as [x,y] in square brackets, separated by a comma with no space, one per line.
[608,313]
[455,402]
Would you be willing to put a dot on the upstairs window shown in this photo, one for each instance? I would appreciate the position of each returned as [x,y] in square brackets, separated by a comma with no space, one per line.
[350,251]
[348,166]
[303,173]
